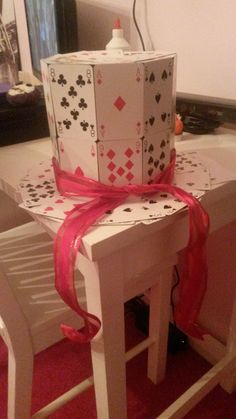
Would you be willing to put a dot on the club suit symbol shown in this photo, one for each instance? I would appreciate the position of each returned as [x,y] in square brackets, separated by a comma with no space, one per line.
[61,80]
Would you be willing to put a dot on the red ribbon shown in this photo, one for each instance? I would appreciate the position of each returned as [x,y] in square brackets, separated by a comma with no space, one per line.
[104,198]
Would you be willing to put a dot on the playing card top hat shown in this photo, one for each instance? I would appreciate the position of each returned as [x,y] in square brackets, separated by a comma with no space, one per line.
[111,114]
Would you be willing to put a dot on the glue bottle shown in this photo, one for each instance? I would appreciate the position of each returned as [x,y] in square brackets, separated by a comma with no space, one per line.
[118,41]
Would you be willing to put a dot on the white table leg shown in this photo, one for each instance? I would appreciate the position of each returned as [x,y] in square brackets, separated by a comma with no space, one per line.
[104,293]
[159,318]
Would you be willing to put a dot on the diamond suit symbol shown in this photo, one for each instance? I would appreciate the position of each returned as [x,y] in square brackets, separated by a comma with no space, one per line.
[119,103]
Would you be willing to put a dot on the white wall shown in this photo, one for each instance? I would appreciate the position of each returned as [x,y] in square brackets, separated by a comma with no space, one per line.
[96,20]
[202,32]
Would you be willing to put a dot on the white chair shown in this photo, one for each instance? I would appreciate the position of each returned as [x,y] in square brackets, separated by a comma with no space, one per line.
[30,310]
[31,313]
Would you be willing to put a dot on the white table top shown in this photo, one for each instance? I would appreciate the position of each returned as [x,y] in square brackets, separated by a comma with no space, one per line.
[100,241]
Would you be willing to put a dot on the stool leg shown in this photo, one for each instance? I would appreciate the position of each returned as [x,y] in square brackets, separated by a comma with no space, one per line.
[104,294]
[159,318]
[20,372]
[229,380]
[16,335]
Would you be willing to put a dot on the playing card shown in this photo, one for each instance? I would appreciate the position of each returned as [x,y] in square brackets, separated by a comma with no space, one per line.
[73,100]
[218,173]
[192,180]
[188,161]
[57,207]
[92,57]
[34,192]
[197,194]
[42,170]
[120,162]
[38,184]
[85,160]
[158,96]
[40,195]
[140,208]
[156,154]
[119,98]
[48,100]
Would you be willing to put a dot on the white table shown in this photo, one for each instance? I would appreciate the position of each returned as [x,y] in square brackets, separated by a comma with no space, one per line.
[119,262]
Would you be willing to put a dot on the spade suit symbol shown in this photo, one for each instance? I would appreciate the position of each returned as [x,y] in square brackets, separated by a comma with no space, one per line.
[164,75]
[163,116]
[157,97]
[151,120]
[150,148]
[163,143]
[152,77]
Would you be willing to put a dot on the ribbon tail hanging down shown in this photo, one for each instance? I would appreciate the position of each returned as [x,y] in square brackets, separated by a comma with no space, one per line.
[66,247]
[194,281]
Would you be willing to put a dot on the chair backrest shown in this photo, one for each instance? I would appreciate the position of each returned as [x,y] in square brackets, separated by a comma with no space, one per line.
[27,275]
[13,324]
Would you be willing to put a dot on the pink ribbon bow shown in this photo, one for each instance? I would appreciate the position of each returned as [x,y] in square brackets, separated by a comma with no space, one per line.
[106,198]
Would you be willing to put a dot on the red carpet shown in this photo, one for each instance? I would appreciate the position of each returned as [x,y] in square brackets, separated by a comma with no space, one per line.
[66,364]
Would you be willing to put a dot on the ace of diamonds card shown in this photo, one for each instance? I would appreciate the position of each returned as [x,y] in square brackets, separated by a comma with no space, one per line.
[119,101]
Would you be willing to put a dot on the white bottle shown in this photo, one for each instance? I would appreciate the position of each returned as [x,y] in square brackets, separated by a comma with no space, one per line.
[118,41]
